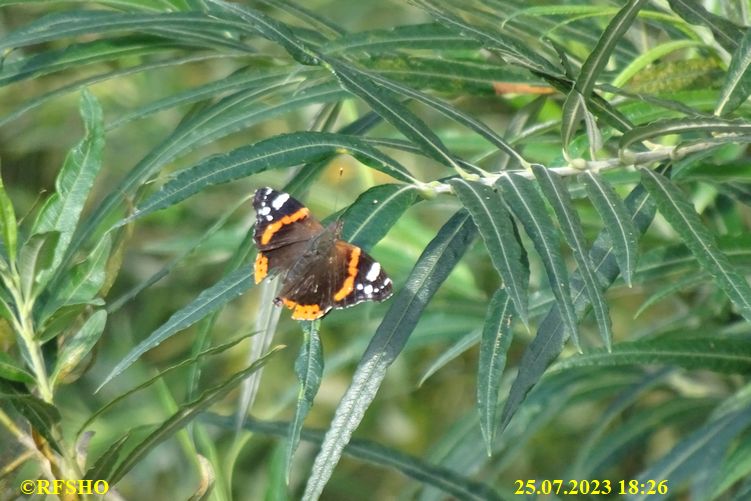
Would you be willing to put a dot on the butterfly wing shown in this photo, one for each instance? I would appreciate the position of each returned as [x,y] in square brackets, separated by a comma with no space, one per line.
[333,275]
[283,229]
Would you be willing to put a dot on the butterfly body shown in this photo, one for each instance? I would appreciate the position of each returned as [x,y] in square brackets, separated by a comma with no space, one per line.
[320,271]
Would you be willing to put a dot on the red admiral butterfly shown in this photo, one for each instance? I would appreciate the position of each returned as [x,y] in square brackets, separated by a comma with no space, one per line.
[321,271]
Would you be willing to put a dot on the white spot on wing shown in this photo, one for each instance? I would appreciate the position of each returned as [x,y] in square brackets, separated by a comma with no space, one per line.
[359,287]
[265,210]
[279,201]
[373,272]
[368,290]
[387,281]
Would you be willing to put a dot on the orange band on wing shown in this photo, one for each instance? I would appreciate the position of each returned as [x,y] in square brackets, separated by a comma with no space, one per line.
[277,225]
[349,282]
[261,267]
[303,311]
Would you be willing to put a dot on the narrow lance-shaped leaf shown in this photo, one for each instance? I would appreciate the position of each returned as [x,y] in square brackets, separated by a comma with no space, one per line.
[8,224]
[528,206]
[575,107]
[680,213]
[460,346]
[682,126]
[512,49]
[359,83]
[431,269]
[76,178]
[725,355]
[374,212]
[446,479]
[272,29]
[42,416]
[193,361]
[82,283]
[496,339]
[599,56]
[185,414]
[12,371]
[557,194]
[452,113]
[277,152]
[737,85]
[309,370]
[228,288]
[497,231]
[690,455]
[725,32]
[551,335]
[106,463]
[618,223]
[79,345]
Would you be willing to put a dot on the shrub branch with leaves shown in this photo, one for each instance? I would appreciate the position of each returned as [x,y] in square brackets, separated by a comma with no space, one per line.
[599,151]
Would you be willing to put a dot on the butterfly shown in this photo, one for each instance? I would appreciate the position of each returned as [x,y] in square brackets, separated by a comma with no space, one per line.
[320,271]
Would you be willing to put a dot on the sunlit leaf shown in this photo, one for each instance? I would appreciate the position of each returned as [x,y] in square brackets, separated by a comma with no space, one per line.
[431,269]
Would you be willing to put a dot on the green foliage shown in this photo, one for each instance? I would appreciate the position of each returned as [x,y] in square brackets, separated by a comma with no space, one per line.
[614,134]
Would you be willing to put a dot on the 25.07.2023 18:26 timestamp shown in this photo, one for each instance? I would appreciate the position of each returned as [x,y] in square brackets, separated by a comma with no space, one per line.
[592,487]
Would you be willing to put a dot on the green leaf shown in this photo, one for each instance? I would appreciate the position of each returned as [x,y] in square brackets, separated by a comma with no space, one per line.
[81,54]
[194,28]
[42,417]
[214,350]
[82,283]
[272,29]
[8,224]
[216,296]
[557,194]
[307,17]
[463,344]
[725,32]
[511,49]
[452,113]
[79,345]
[446,479]
[374,212]
[617,222]
[226,116]
[431,269]
[737,466]
[680,213]
[281,151]
[105,464]
[62,210]
[360,84]
[528,206]
[737,86]
[11,371]
[726,355]
[309,370]
[34,259]
[496,339]
[551,334]
[497,231]
[695,452]
[682,126]
[599,56]
[185,414]
[430,36]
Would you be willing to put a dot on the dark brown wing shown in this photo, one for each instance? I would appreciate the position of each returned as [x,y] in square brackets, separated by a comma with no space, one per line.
[333,275]
[283,228]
